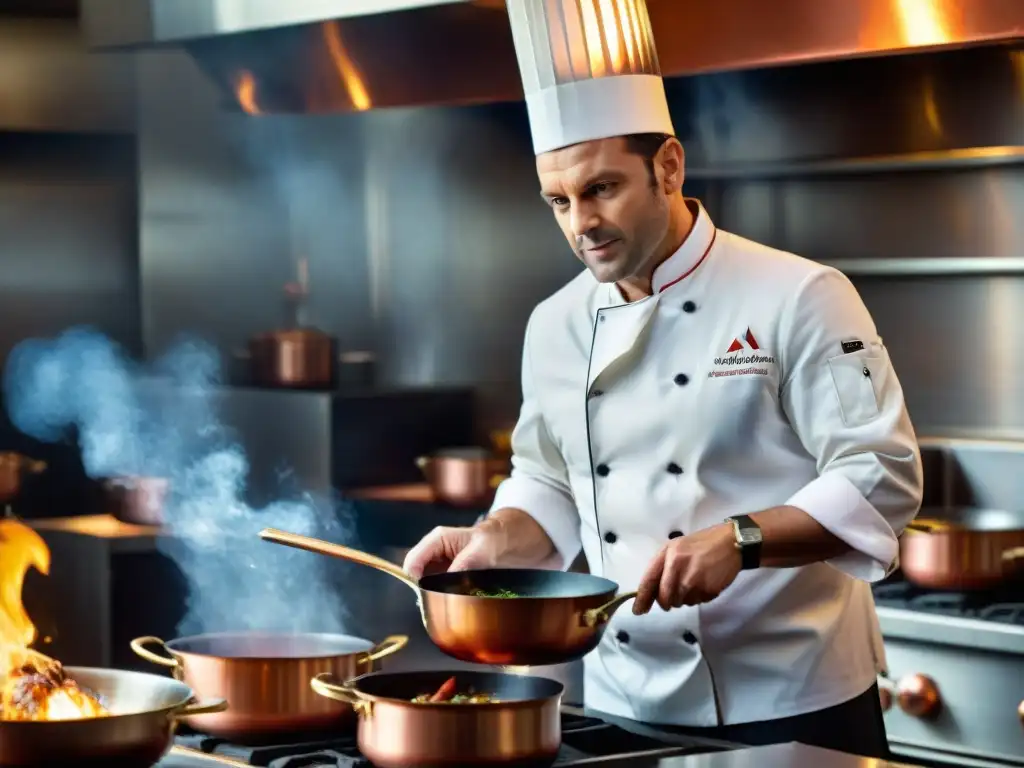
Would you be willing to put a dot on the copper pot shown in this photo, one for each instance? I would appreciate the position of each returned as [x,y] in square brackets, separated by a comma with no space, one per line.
[566,613]
[265,676]
[13,469]
[299,358]
[463,477]
[137,500]
[522,728]
[963,549]
[145,709]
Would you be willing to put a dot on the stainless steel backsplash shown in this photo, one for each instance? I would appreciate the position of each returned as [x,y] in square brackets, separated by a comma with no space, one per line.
[429,245]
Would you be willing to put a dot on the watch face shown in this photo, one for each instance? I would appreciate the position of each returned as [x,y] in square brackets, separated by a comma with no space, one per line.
[750,537]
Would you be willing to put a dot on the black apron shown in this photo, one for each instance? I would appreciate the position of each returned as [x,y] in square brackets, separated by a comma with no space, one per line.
[855,727]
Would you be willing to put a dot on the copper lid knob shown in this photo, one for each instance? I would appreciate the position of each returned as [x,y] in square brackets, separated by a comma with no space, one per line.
[918,696]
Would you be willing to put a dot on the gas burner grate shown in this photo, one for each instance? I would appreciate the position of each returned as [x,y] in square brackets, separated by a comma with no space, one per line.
[582,738]
[999,606]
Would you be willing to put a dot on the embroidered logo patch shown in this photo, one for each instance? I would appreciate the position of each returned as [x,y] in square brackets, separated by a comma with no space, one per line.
[743,357]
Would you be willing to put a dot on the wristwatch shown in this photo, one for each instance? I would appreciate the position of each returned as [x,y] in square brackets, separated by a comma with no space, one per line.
[748,541]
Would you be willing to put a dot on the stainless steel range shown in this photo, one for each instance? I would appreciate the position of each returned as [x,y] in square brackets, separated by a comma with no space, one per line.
[585,741]
[956,675]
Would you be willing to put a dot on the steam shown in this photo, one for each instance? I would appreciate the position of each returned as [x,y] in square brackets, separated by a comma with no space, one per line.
[161,421]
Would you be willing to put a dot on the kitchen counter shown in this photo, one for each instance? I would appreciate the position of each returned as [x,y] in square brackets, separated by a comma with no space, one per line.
[777,756]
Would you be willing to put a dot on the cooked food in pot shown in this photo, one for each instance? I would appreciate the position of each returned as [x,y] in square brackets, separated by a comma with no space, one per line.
[504,593]
[446,694]
[43,691]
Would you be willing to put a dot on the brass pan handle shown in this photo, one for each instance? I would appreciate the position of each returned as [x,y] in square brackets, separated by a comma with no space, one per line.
[207,707]
[603,613]
[323,685]
[1011,555]
[321,547]
[139,646]
[386,647]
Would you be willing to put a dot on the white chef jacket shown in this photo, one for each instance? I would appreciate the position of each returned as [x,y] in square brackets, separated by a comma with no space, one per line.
[751,378]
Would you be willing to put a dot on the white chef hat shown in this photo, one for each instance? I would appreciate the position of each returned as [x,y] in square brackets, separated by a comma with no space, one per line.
[589,69]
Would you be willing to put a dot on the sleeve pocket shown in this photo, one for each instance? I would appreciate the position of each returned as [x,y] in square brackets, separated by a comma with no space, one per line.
[854,379]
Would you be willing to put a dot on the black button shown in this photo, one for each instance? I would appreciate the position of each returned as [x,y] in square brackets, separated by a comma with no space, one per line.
[689,306]
[689,638]
[622,636]
[610,537]
[675,534]
[681,379]
[866,372]
[601,318]
[597,393]
[603,470]
[674,469]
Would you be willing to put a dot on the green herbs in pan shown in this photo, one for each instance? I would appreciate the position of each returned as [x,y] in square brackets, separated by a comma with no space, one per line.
[503,593]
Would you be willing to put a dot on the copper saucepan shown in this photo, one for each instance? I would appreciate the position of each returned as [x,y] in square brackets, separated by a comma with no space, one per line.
[144,710]
[963,549]
[554,616]
[266,676]
[463,477]
[521,728]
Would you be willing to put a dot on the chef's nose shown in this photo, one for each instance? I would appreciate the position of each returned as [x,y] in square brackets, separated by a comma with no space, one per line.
[583,218]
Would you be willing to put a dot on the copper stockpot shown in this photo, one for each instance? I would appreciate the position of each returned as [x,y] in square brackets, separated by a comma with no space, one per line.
[522,729]
[963,549]
[463,477]
[138,500]
[13,469]
[265,676]
[558,616]
[144,711]
[297,358]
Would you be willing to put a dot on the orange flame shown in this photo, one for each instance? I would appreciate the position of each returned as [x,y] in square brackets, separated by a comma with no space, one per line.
[245,92]
[32,685]
[350,77]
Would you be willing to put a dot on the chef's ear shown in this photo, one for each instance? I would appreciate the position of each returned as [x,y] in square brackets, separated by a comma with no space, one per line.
[671,160]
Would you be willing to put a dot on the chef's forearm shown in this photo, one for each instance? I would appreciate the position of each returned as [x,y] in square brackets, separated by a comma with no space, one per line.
[522,537]
[791,538]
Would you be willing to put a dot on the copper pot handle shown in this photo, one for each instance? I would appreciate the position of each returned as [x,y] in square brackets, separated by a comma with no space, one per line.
[389,645]
[1017,553]
[139,646]
[207,707]
[337,550]
[927,526]
[323,685]
[603,613]
[199,756]
[497,480]
[34,467]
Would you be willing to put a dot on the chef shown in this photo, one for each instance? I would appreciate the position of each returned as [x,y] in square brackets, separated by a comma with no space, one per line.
[715,423]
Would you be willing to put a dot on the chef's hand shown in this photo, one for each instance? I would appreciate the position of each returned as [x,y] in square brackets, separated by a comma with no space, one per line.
[690,570]
[453,549]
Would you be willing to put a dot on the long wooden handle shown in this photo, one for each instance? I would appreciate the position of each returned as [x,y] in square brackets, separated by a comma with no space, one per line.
[322,547]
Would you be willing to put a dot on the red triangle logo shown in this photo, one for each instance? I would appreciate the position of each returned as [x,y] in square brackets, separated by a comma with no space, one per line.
[751,340]
[735,346]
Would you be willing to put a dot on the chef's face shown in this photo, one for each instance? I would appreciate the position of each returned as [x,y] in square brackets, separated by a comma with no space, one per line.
[613,207]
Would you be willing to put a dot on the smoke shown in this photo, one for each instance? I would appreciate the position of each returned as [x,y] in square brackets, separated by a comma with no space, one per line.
[161,421]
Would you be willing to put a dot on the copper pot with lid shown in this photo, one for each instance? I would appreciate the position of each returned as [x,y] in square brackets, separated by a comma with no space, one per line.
[14,468]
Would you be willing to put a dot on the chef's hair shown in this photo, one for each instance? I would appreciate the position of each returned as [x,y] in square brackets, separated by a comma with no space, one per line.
[647,145]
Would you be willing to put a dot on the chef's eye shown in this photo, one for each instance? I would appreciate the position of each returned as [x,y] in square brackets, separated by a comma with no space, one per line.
[559,202]
[602,188]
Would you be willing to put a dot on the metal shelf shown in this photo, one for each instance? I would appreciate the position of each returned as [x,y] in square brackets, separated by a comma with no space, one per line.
[953,159]
[1012,265]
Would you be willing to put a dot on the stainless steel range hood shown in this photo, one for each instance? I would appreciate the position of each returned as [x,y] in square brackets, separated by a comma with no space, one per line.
[312,56]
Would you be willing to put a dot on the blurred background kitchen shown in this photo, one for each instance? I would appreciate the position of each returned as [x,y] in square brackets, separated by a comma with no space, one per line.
[209,176]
